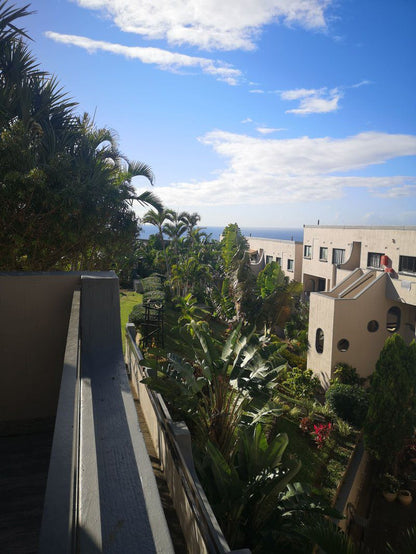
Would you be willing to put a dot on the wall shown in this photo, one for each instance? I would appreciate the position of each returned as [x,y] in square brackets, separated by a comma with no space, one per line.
[348,318]
[392,241]
[284,249]
[34,317]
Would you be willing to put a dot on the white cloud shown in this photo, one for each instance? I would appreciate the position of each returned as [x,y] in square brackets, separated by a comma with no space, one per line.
[209,24]
[163,59]
[276,171]
[269,130]
[256,91]
[362,83]
[321,100]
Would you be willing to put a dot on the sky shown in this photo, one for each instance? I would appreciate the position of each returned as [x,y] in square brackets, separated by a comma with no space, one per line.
[271,113]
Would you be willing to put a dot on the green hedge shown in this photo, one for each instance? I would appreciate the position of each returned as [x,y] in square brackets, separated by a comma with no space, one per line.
[349,402]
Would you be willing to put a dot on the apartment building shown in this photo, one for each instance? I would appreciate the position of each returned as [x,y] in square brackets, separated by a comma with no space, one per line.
[362,287]
[287,253]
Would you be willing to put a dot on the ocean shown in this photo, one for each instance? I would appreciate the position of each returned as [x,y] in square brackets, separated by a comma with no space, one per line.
[283,233]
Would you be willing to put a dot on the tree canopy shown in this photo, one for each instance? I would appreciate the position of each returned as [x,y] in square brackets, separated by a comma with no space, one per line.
[66,192]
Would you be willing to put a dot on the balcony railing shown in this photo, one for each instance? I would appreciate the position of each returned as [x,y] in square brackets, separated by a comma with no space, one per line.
[172,443]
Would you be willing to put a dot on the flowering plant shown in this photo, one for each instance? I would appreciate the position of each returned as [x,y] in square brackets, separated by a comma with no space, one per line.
[304,424]
[321,433]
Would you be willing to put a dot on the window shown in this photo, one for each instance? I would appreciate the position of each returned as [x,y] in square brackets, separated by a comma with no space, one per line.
[290,265]
[307,251]
[407,264]
[338,255]
[343,345]
[323,254]
[372,326]
[269,259]
[374,259]
[393,319]
[279,261]
[319,341]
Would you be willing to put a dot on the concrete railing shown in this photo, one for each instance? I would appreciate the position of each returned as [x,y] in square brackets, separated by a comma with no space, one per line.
[101,492]
[172,443]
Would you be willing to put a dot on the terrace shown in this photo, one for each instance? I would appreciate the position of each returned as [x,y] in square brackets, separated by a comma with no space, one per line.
[76,475]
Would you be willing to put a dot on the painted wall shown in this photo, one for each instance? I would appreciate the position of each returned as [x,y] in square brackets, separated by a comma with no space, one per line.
[348,318]
[391,241]
[34,317]
[283,249]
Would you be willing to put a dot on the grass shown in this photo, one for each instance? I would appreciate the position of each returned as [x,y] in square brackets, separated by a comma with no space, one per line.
[128,299]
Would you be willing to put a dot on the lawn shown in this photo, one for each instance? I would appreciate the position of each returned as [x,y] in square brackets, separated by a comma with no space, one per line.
[128,299]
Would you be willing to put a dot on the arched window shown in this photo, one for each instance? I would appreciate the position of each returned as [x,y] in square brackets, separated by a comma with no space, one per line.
[319,340]
[393,319]
[343,345]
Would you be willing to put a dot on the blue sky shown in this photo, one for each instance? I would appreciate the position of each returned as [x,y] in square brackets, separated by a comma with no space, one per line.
[272,113]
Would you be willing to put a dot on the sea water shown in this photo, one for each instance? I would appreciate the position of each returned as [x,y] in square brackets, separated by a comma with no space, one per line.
[282,233]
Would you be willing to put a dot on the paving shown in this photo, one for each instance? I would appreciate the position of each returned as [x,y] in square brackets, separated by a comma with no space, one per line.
[24,464]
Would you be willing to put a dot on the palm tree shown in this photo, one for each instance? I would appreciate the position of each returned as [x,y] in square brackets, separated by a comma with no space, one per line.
[158,219]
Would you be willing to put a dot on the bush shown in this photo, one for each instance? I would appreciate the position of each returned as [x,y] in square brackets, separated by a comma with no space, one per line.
[154,282]
[293,359]
[153,296]
[347,375]
[300,383]
[137,315]
[350,402]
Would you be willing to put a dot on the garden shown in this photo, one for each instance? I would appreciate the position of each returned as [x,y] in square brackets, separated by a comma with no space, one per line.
[269,445]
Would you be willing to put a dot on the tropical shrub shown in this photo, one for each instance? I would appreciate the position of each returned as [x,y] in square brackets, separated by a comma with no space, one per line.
[347,375]
[153,296]
[300,383]
[153,282]
[350,402]
[294,359]
[137,314]
[391,418]
[321,433]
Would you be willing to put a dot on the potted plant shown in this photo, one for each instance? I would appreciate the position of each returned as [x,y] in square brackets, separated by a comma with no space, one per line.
[389,485]
[405,497]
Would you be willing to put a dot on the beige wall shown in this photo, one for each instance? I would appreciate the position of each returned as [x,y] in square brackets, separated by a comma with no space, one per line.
[347,318]
[391,241]
[284,249]
[34,316]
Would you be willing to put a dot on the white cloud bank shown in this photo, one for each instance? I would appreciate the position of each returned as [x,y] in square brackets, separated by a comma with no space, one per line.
[321,100]
[163,59]
[209,24]
[273,171]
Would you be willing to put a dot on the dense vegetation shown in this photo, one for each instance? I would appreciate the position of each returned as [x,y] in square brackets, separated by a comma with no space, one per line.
[66,191]
[234,368]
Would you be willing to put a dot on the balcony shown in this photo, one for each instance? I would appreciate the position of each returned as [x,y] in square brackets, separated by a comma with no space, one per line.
[76,475]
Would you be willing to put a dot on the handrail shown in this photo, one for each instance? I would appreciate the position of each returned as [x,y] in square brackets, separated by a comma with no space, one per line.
[59,519]
[204,518]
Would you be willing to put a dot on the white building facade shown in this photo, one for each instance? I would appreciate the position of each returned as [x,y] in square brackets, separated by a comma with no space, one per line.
[362,287]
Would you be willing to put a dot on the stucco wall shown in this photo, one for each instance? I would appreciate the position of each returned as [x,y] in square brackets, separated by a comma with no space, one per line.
[34,317]
[283,249]
[391,241]
[348,318]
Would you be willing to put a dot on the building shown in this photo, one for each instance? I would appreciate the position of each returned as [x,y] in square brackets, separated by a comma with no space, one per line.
[362,287]
[287,253]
